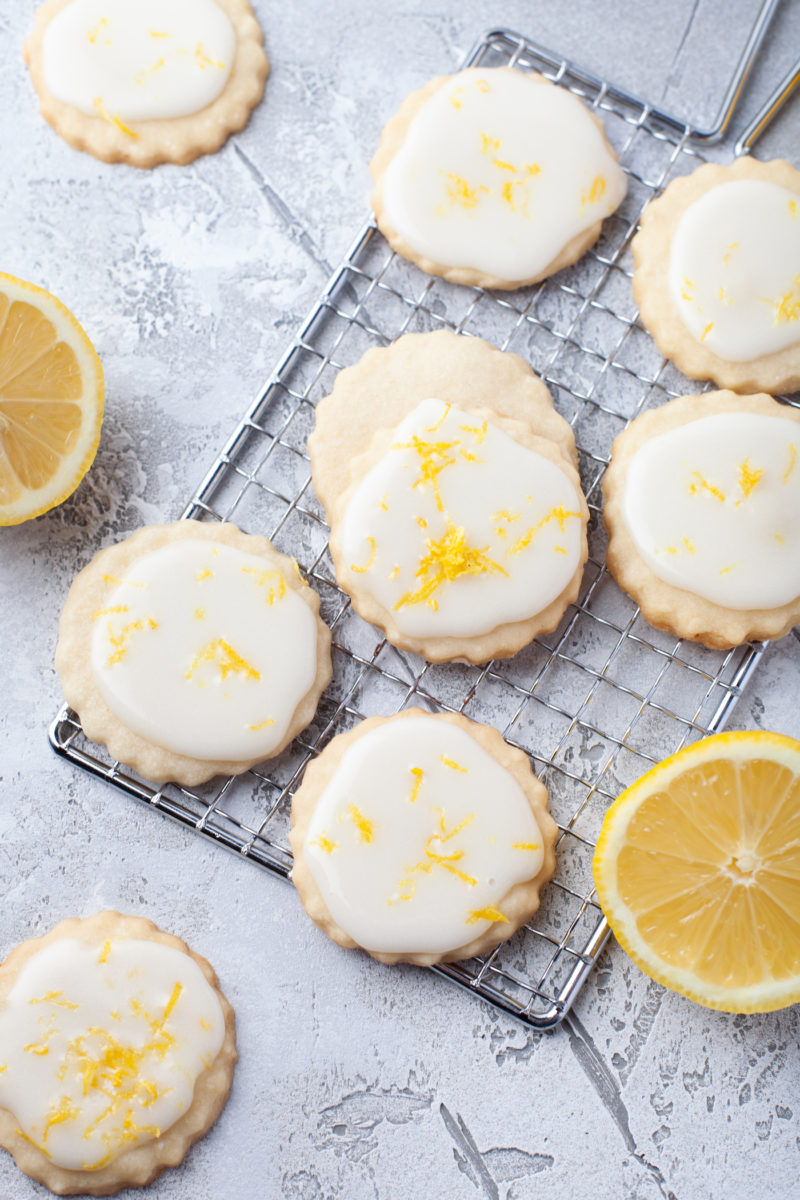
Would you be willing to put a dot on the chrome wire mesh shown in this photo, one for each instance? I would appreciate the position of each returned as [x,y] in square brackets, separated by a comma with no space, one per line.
[594,704]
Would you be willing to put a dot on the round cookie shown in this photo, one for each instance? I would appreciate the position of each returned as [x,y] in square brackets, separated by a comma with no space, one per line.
[702,507]
[149,82]
[192,650]
[389,382]
[421,838]
[118,1051]
[717,274]
[494,177]
[462,534]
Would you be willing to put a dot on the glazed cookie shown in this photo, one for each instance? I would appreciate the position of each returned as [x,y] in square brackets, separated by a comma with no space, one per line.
[117,1051]
[462,535]
[388,383]
[421,838]
[192,650]
[717,274]
[147,82]
[702,506]
[496,178]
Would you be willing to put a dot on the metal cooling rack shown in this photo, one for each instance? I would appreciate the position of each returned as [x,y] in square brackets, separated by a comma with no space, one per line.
[594,704]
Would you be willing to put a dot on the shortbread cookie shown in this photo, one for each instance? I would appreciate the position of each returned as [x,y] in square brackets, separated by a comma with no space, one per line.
[717,274]
[147,81]
[421,838]
[494,177]
[462,534]
[117,1051]
[192,650]
[389,382]
[702,505]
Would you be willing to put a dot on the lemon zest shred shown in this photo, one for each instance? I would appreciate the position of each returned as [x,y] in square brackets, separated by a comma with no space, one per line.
[418,774]
[525,846]
[447,560]
[53,998]
[559,549]
[325,844]
[129,582]
[262,724]
[504,166]
[223,655]
[748,477]
[372,552]
[394,572]
[489,144]
[262,578]
[788,306]
[704,485]
[559,514]
[477,431]
[441,421]
[489,913]
[142,75]
[706,331]
[453,765]
[595,193]
[92,34]
[109,612]
[365,827]
[120,640]
[434,457]
[459,191]
[58,1114]
[482,85]
[202,60]
[792,462]
[101,112]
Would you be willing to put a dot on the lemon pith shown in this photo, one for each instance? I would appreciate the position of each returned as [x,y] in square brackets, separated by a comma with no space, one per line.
[697,869]
[51,401]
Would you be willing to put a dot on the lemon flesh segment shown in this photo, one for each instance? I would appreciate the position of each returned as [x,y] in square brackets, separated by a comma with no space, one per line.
[51,401]
[698,871]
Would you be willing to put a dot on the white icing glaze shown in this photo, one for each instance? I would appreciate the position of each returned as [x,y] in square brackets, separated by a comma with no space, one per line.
[498,172]
[417,833]
[205,651]
[714,507]
[495,504]
[138,60]
[100,1048]
[734,269]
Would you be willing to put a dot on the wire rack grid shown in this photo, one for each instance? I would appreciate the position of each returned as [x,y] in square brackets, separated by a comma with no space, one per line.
[594,704]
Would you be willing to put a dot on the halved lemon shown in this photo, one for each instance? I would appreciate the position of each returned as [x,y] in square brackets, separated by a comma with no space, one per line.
[51,401]
[698,871]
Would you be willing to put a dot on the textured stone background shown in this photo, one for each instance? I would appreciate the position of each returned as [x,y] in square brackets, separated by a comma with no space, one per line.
[354,1081]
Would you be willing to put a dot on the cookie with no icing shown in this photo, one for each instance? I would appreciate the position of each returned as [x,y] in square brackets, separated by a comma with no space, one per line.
[147,82]
[117,1051]
[494,177]
[192,650]
[717,274]
[421,838]
[702,506]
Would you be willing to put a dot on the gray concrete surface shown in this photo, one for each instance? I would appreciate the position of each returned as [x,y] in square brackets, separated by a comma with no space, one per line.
[354,1081]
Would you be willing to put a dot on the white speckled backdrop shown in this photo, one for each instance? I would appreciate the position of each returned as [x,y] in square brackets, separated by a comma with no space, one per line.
[354,1081]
